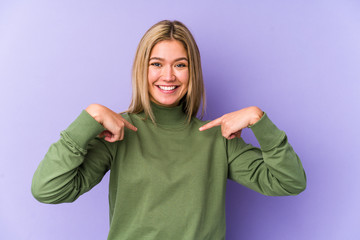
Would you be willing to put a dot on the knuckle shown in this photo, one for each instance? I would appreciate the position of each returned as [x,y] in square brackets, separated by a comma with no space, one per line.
[227,124]
[117,128]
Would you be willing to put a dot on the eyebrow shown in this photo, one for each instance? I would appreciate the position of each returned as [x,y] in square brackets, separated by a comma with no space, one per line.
[161,59]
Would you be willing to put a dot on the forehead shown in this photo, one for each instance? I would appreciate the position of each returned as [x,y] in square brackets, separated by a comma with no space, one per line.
[169,49]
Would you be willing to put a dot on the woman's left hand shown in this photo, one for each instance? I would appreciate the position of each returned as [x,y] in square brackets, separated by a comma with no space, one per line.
[232,123]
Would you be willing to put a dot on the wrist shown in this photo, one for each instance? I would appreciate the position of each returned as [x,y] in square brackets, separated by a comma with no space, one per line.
[255,115]
[95,112]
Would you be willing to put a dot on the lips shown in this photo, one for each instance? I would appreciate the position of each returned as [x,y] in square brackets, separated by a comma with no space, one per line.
[167,88]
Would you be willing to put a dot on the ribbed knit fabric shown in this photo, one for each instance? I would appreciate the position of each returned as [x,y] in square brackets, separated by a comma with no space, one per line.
[168,180]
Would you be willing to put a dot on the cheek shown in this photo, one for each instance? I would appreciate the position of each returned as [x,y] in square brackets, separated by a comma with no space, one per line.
[185,78]
[152,76]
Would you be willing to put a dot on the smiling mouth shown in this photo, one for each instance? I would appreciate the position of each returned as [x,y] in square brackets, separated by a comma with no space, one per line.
[167,88]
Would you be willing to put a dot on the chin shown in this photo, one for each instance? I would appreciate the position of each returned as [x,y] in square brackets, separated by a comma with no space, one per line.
[166,103]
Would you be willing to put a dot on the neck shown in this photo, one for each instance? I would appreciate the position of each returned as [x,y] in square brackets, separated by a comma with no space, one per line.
[168,115]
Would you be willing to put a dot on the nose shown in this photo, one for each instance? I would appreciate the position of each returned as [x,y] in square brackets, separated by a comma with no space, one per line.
[168,73]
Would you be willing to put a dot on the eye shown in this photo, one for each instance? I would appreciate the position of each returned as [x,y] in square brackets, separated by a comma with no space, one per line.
[156,64]
[180,65]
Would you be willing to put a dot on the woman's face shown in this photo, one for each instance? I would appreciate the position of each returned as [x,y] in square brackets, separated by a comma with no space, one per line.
[168,74]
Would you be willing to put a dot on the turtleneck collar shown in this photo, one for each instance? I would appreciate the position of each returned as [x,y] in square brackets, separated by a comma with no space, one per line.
[169,115]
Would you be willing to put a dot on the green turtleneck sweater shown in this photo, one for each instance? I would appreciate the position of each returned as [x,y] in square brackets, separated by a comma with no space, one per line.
[166,181]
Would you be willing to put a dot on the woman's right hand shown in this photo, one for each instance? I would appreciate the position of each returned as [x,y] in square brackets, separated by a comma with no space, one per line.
[113,122]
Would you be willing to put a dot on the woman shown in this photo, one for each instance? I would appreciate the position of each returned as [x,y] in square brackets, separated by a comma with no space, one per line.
[168,168]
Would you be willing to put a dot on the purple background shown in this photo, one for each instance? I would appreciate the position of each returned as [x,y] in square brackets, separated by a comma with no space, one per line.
[297,60]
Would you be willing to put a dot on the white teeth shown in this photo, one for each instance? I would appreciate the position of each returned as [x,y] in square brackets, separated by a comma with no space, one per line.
[167,88]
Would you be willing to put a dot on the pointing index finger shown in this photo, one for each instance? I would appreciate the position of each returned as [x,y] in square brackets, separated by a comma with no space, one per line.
[129,125]
[214,123]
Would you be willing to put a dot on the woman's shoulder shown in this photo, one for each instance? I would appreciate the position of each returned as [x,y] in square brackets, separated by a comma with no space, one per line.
[130,117]
[135,118]
[199,123]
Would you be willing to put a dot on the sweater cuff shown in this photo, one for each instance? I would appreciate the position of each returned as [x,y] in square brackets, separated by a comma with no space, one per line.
[267,134]
[84,129]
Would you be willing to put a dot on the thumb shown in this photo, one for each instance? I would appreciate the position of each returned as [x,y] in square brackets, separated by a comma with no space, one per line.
[105,133]
[235,135]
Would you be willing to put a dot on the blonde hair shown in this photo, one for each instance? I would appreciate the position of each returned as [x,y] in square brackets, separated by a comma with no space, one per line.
[167,30]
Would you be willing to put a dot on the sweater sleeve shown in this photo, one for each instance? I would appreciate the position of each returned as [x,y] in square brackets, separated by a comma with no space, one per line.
[274,169]
[74,164]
